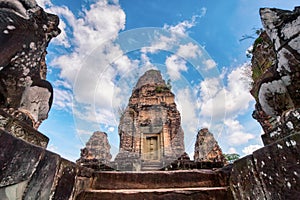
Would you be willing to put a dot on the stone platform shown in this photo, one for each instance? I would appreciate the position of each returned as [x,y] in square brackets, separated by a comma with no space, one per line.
[181,184]
[272,172]
[28,171]
[205,193]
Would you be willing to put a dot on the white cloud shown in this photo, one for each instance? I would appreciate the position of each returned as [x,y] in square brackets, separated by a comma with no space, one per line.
[88,68]
[62,38]
[90,31]
[232,99]
[174,66]
[186,107]
[63,99]
[209,64]
[251,148]
[52,148]
[66,18]
[61,83]
[221,105]
[210,88]
[189,50]
[83,132]
[235,133]
[231,150]
[44,3]
[124,64]
[203,12]
[145,61]
[180,28]
[176,33]
[111,129]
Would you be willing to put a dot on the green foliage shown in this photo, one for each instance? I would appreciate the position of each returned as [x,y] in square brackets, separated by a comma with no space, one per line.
[158,89]
[232,157]
[257,31]
[256,72]
[161,88]
[258,41]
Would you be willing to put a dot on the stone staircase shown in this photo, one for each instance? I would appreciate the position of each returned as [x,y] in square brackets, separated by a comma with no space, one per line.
[181,184]
[151,166]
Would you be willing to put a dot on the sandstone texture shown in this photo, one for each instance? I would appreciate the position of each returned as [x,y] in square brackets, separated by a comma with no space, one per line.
[31,172]
[25,32]
[150,127]
[22,130]
[187,184]
[207,148]
[96,152]
[272,172]
[275,67]
[159,194]
[27,169]
[279,93]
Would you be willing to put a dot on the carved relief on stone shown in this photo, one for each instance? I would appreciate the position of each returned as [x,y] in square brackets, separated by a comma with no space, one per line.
[25,32]
[150,127]
[276,72]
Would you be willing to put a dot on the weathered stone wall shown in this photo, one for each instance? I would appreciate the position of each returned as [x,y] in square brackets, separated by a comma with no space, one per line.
[272,172]
[151,112]
[31,172]
[22,130]
[25,34]
[27,169]
[207,148]
[96,154]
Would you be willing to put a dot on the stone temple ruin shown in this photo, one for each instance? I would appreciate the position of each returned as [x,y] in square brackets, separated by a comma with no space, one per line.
[151,137]
[29,171]
[272,172]
[150,127]
[96,154]
[207,148]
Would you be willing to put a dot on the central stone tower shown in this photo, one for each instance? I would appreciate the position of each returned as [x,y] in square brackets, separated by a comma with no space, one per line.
[150,127]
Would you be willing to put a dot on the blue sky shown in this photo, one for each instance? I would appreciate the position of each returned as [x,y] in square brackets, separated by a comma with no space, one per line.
[106,45]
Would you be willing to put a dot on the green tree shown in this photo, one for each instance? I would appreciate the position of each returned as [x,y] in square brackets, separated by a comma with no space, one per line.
[232,157]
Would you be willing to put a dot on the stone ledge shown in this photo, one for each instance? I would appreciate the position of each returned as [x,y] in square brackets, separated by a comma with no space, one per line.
[219,193]
[288,126]
[278,167]
[160,179]
[18,159]
[22,130]
[244,178]
[31,172]
[272,172]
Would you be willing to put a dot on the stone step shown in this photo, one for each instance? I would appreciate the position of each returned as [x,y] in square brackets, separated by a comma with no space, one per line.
[197,193]
[151,166]
[160,179]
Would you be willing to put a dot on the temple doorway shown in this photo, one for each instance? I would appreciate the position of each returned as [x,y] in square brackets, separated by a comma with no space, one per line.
[151,148]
